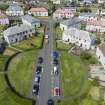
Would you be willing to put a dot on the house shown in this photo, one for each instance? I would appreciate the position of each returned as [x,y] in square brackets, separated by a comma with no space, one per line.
[31,21]
[98,71]
[100,53]
[65,12]
[38,11]
[81,38]
[3,19]
[88,17]
[100,12]
[14,10]
[18,33]
[72,22]
[101,1]
[96,26]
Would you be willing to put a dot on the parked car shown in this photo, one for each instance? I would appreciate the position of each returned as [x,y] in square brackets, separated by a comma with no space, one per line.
[56,91]
[37,79]
[36,89]
[39,69]
[55,61]
[55,70]
[50,102]
[40,60]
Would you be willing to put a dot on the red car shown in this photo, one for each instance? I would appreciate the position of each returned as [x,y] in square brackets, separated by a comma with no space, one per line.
[56,91]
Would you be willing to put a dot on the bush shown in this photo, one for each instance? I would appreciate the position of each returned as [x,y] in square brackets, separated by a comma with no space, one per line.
[93,60]
[85,56]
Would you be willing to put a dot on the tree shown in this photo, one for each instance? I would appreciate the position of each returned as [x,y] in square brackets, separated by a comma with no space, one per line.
[85,56]
[98,41]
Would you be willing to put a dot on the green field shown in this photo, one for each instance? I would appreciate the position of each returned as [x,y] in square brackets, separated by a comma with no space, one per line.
[72,74]
[6,96]
[21,71]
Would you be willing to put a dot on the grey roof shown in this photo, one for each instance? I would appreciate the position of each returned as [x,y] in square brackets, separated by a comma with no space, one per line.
[14,8]
[87,14]
[30,19]
[71,21]
[17,29]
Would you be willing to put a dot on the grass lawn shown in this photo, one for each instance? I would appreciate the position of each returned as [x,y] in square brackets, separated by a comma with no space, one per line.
[21,71]
[9,51]
[6,96]
[72,74]
[85,99]
[95,93]
[62,46]
[58,33]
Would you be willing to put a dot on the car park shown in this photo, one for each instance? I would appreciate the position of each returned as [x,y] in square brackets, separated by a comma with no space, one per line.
[39,69]
[40,60]
[36,89]
[56,91]
[37,79]
[50,102]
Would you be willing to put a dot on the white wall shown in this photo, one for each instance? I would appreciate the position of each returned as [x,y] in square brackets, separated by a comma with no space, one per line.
[100,57]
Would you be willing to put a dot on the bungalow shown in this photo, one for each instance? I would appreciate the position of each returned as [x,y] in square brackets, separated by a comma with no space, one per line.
[14,10]
[3,19]
[65,12]
[31,21]
[100,53]
[38,11]
[81,38]
[18,33]
[72,22]
[96,26]
[88,17]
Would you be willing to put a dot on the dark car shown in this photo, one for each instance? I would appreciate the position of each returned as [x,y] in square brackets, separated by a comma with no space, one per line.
[55,61]
[40,60]
[39,70]
[35,89]
[50,102]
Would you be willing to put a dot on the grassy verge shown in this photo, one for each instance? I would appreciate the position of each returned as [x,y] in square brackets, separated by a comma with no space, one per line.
[72,74]
[21,71]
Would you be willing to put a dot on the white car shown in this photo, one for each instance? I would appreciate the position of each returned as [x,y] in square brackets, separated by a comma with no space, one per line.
[37,79]
[55,70]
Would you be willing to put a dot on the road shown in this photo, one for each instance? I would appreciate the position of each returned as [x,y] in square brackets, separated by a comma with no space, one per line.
[48,81]
[45,83]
